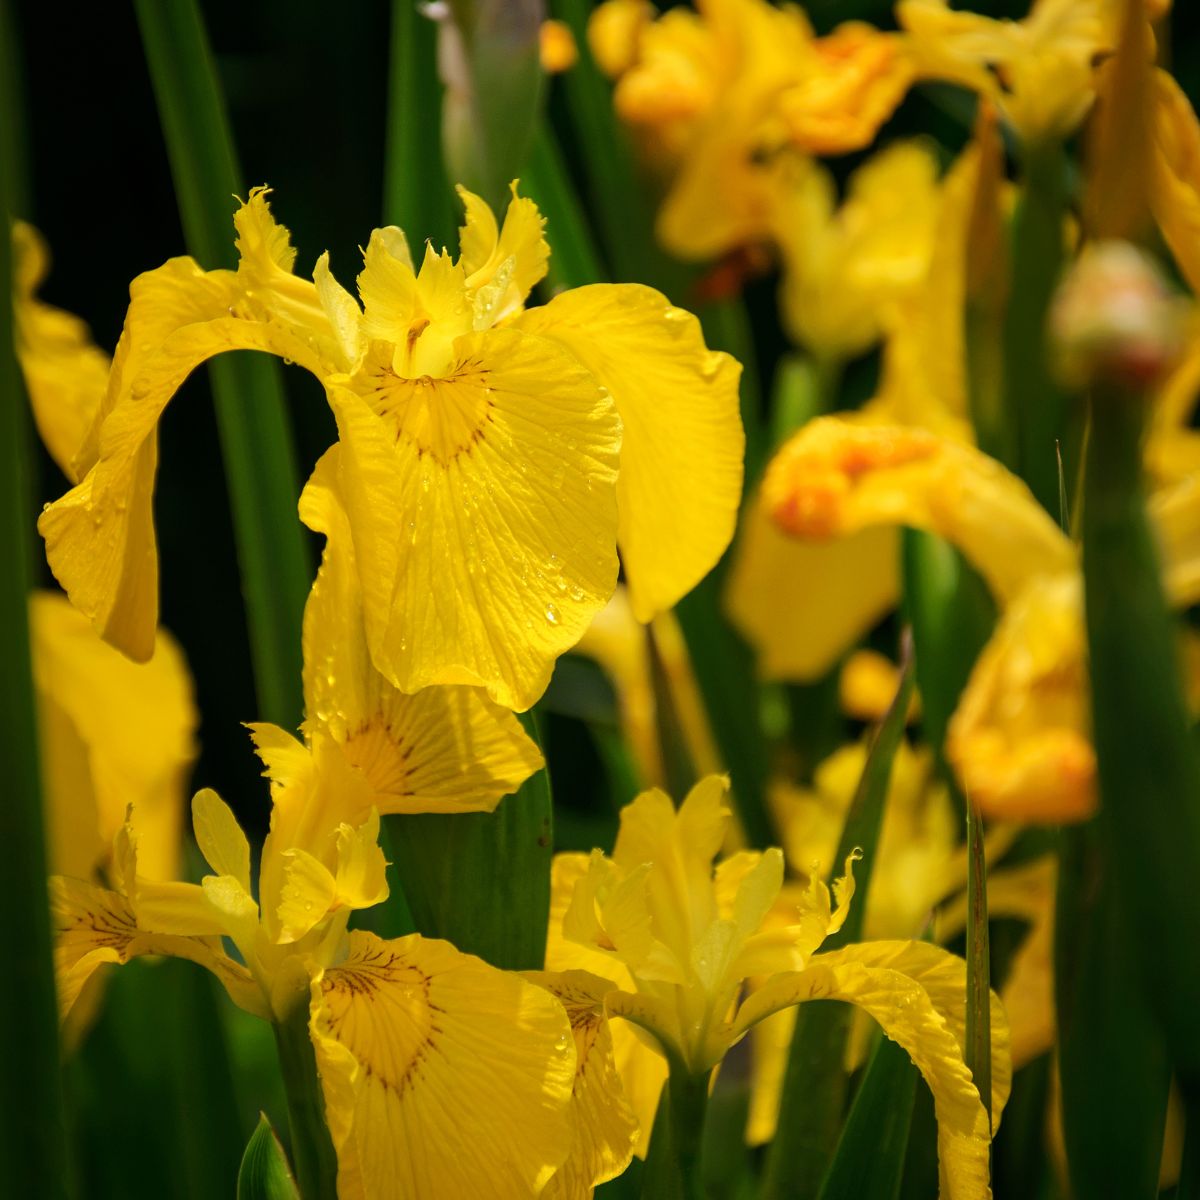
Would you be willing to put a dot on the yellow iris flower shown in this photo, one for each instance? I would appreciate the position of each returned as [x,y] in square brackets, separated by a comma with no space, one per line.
[909,288]
[1041,72]
[677,941]
[1020,738]
[723,94]
[423,1099]
[490,458]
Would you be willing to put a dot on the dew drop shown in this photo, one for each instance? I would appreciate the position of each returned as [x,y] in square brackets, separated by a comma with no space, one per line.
[46,506]
[561,1044]
[551,614]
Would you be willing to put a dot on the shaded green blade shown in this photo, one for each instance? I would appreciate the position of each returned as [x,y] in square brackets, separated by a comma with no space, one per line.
[265,1174]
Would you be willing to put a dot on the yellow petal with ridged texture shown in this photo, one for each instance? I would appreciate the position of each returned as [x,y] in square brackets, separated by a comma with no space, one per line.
[443,1077]
[801,605]
[308,894]
[65,373]
[681,454]
[361,867]
[642,1071]
[504,265]
[838,476]
[917,994]
[1175,179]
[604,1125]
[483,510]
[118,732]
[100,539]
[444,749]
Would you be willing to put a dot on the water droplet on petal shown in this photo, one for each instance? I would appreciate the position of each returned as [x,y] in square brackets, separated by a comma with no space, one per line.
[551,614]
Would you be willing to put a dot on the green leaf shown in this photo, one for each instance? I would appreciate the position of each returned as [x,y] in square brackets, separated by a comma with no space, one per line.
[978,1050]
[674,1162]
[869,1160]
[265,1174]
[482,880]
[31,1131]
[1033,402]
[256,437]
[814,1085]
[1112,1059]
[1146,756]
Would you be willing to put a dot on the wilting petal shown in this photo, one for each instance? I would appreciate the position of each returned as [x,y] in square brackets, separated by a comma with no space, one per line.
[681,454]
[443,1077]
[838,476]
[115,734]
[444,749]
[65,373]
[604,1125]
[802,604]
[917,994]
[483,510]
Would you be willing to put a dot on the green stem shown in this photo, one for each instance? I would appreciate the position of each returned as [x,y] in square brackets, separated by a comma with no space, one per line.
[979,970]
[256,439]
[312,1151]
[32,1161]
[674,1166]
[1031,397]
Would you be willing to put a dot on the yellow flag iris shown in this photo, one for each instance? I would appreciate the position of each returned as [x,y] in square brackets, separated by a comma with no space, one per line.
[490,459]
[1041,72]
[680,940]
[723,96]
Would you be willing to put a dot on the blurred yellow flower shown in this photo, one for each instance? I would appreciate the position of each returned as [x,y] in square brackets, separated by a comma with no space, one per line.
[687,938]
[556,47]
[112,734]
[1040,72]
[479,444]
[721,96]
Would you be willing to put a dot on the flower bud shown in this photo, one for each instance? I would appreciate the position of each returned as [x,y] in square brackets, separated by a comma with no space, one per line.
[1115,320]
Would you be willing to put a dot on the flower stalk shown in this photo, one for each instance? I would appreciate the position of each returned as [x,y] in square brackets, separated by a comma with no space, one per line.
[313,1155]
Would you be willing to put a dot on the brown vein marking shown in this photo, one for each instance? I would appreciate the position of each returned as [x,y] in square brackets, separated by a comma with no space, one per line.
[347,988]
[107,922]
[381,756]
[442,418]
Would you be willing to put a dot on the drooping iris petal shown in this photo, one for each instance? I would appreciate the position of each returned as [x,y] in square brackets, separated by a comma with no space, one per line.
[683,444]
[604,1125]
[444,749]
[504,479]
[915,992]
[443,1077]
[65,373]
[838,476]
[114,734]
[801,604]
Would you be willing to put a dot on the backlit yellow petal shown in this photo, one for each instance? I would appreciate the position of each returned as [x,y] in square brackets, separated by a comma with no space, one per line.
[113,734]
[361,867]
[484,514]
[802,604]
[916,992]
[642,1070]
[1175,178]
[219,837]
[444,749]
[605,1128]
[681,455]
[65,373]
[309,892]
[100,539]
[503,266]
[837,476]
[443,1077]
